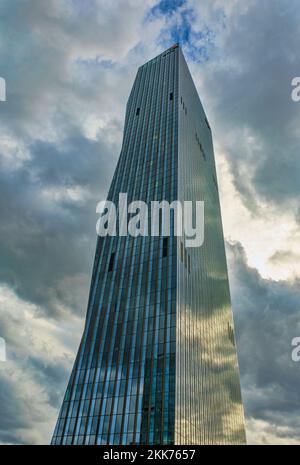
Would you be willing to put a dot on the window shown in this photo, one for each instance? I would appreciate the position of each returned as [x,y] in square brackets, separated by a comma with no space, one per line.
[137,111]
[165,246]
[207,123]
[171,96]
[111,261]
[181,251]
[215,182]
[231,334]
[202,151]
[185,257]
[160,219]
[200,146]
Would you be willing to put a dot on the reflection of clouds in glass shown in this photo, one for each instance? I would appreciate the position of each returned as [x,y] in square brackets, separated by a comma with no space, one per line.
[212,373]
[208,397]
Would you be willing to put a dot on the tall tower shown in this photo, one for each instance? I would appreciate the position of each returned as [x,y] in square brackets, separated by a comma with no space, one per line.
[157,362]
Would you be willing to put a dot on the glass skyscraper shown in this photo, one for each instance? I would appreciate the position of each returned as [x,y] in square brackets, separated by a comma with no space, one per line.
[157,362]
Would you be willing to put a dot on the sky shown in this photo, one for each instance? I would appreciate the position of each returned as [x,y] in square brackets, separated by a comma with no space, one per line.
[69,66]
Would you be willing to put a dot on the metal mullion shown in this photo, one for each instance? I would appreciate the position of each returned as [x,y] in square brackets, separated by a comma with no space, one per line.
[140,159]
[149,95]
[127,161]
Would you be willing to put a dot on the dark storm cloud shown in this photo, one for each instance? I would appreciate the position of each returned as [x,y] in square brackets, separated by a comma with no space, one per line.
[9,402]
[255,119]
[267,319]
[44,240]
[47,238]
[32,379]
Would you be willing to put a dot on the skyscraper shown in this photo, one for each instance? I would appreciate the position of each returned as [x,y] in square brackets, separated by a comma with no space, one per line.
[157,362]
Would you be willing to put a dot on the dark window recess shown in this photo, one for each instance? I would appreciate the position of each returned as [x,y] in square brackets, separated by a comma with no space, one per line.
[185,110]
[148,407]
[171,96]
[165,246]
[111,261]
[185,257]
[200,146]
[202,151]
[181,99]
[207,124]
[137,111]
[215,182]
[231,334]
[160,222]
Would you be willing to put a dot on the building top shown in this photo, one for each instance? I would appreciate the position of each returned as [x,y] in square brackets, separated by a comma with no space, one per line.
[162,54]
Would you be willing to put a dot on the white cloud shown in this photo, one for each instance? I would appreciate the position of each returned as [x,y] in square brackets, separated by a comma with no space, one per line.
[260,432]
[262,234]
[38,356]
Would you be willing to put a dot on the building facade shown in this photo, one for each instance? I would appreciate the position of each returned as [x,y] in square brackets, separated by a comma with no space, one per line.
[157,362]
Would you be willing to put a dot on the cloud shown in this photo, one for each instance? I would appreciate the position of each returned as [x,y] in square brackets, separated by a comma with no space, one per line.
[263,433]
[265,234]
[40,354]
[249,95]
[267,319]
[49,210]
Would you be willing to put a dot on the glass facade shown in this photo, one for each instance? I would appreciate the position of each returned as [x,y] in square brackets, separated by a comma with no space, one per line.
[208,405]
[157,361]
